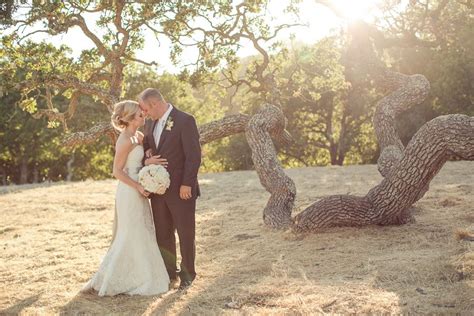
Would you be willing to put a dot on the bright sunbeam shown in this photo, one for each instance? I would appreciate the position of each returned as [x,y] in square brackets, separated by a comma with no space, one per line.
[355,9]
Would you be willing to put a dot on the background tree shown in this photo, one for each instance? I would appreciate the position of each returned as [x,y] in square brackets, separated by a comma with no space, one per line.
[433,38]
[116,29]
[99,72]
[203,101]
[32,151]
[407,171]
[326,102]
[77,93]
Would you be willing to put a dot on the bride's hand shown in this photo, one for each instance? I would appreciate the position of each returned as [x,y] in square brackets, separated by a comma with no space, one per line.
[156,160]
[142,190]
[148,153]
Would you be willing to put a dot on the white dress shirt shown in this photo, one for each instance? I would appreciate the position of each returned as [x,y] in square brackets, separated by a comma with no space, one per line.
[160,125]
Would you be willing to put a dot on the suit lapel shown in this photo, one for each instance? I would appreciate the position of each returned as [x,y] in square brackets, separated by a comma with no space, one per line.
[165,132]
[150,133]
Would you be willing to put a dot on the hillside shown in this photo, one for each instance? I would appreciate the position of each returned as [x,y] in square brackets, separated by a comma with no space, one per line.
[53,237]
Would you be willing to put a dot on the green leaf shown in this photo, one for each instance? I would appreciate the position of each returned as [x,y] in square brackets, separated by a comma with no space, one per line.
[29,105]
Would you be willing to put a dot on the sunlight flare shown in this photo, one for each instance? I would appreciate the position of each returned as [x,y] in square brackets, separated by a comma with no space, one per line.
[355,10]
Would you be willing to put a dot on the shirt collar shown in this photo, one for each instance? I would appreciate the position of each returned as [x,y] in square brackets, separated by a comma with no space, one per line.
[167,113]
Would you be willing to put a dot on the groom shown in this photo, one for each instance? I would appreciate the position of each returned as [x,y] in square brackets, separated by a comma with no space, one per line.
[173,135]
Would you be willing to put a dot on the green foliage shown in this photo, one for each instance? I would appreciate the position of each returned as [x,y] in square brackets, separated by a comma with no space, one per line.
[232,154]
[7,8]
[448,63]
[328,103]
[203,103]
[30,151]
[323,88]
[93,162]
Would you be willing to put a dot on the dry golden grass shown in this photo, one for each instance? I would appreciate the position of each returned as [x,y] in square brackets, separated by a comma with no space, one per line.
[53,238]
[462,234]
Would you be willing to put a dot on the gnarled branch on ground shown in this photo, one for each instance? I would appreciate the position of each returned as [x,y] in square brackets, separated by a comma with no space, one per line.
[408,90]
[387,203]
[277,212]
[424,156]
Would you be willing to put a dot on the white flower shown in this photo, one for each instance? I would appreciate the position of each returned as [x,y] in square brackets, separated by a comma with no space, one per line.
[154,178]
[169,124]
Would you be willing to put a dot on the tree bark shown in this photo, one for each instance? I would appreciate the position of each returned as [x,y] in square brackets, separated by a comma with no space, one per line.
[408,90]
[23,170]
[336,154]
[229,125]
[70,168]
[3,176]
[80,138]
[389,201]
[35,174]
[277,212]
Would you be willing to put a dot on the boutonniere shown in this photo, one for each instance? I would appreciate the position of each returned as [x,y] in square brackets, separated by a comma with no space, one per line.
[169,124]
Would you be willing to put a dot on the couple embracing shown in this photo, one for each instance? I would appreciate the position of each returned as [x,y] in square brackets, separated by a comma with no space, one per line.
[142,257]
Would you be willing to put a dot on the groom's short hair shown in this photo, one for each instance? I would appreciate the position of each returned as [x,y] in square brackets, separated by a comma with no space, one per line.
[149,93]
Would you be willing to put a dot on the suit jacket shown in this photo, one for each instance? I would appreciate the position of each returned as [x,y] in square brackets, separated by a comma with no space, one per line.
[179,144]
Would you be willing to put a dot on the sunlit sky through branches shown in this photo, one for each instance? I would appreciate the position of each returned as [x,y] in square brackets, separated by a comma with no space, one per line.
[319,21]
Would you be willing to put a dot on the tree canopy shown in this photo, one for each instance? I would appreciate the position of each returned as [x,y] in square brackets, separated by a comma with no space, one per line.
[324,89]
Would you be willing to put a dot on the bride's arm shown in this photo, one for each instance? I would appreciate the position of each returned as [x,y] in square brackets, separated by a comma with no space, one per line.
[143,140]
[122,149]
[148,159]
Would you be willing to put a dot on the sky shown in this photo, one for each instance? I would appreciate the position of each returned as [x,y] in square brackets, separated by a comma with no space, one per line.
[320,20]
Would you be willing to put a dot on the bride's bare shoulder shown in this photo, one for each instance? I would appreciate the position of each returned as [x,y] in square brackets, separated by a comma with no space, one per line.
[124,143]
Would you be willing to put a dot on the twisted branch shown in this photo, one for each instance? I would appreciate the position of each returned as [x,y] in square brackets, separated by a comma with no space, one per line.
[229,125]
[277,212]
[89,136]
[409,90]
[424,156]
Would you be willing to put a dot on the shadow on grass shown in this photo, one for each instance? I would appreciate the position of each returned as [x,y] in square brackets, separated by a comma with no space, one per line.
[401,266]
[91,304]
[19,306]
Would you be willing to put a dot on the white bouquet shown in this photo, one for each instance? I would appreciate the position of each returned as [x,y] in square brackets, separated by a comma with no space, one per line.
[154,178]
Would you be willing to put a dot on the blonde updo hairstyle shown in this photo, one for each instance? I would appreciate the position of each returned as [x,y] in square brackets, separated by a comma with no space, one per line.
[124,113]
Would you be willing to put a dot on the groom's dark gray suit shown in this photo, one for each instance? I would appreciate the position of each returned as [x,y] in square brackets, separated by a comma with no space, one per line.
[179,144]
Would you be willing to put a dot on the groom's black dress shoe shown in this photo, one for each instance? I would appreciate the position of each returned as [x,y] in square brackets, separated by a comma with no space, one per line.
[184,285]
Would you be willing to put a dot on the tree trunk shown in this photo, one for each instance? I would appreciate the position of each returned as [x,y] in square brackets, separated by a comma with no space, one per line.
[409,90]
[23,170]
[389,202]
[333,153]
[70,168]
[3,176]
[35,174]
[336,154]
[229,125]
[277,212]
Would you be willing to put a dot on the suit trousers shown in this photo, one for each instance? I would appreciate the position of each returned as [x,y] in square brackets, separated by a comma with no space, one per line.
[170,215]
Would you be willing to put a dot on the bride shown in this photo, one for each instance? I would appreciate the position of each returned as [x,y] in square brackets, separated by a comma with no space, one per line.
[133,264]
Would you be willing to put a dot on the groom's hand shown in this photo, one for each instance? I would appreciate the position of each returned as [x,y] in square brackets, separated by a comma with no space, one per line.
[185,192]
[156,160]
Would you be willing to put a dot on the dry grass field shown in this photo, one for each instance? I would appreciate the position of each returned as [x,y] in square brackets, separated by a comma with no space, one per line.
[52,238]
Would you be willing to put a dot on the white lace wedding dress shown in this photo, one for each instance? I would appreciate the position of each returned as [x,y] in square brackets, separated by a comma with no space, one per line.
[133,264]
